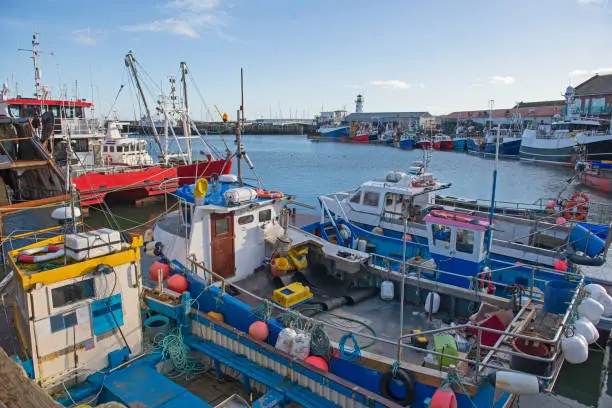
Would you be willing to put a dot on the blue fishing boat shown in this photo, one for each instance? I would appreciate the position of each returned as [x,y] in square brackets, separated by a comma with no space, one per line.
[333,133]
[509,141]
[464,144]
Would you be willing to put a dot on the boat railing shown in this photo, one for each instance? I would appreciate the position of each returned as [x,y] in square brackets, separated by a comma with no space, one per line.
[471,378]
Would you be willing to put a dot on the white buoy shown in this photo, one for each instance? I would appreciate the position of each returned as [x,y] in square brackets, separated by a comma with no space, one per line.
[432,305]
[591,309]
[586,329]
[595,291]
[387,290]
[516,383]
[575,349]
[285,338]
[66,213]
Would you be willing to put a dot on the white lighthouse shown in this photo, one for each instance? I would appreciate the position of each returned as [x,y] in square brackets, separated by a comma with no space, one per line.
[359,104]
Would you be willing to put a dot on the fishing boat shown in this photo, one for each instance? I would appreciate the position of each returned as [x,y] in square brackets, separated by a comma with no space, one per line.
[442,142]
[509,143]
[407,140]
[108,165]
[597,175]
[388,135]
[424,142]
[562,142]
[461,141]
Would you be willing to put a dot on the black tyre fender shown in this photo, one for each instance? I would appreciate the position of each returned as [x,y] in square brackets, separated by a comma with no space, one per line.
[404,377]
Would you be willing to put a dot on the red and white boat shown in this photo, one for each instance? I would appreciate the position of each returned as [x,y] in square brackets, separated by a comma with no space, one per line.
[442,142]
[47,134]
[424,142]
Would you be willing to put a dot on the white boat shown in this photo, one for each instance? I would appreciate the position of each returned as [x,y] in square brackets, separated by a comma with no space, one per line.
[562,142]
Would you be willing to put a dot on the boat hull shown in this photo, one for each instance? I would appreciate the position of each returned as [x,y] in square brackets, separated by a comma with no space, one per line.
[563,152]
[507,148]
[406,144]
[601,182]
[129,184]
[423,145]
[445,145]
[464,145]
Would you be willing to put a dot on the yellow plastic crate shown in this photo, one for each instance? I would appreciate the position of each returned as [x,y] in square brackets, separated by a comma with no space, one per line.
[291,295]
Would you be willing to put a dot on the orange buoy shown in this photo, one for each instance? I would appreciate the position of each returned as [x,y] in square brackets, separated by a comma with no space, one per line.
[154,270]
[177,283]
[443,399]
[259,330]
[318,362]
[216,315]
[560,221]
[561,265]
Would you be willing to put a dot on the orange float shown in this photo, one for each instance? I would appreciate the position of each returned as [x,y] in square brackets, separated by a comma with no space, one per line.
[443,399]
[259,330]
[577,207]
[269,193]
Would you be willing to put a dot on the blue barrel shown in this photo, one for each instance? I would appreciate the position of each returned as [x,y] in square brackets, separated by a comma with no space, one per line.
[557,296]
[583,240]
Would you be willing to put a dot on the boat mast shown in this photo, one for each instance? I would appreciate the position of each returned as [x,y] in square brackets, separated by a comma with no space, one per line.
[186,119]
[129,62]
[38,91]
[239,117]
[489,233]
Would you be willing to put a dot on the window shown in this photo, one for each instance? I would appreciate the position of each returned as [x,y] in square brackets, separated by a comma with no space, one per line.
[105,149]
[68,294]
[356,198]
[371,198]
[63,321]
[465,241]
[111,149]
[119,149]
[80,145]
[245,219]
[265,215]
[221,226]
[441,235]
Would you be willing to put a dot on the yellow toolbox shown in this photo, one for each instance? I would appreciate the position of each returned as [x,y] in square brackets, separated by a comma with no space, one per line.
[292,295]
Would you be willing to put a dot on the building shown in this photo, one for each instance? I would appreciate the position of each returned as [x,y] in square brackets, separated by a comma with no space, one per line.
[429,122]
[404,119]
[594,96]
[524,112]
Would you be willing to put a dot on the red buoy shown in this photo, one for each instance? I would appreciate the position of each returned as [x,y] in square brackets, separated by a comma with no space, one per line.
[443,399]
[561,265]
[318,362]
[177,283]
[259,331]
[154,270]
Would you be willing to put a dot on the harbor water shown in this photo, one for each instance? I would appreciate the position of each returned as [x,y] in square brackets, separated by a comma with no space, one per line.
[297,166]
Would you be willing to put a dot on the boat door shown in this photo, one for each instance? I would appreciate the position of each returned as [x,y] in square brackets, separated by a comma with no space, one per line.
[222,244]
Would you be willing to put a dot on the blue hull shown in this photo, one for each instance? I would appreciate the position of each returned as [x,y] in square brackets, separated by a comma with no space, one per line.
[464,145]
[511,148]
[334,133]
[406,144]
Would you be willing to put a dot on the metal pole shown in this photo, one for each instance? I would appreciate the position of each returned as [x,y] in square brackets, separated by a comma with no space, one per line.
[186,119]
[403,288]
[489,234]
[129,62]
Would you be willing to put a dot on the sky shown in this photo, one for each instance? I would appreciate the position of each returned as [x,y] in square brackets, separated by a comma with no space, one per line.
[304,56]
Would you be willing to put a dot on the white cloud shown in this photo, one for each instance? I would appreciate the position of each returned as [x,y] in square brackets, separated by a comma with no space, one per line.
[594,2]
[499,79]
[352,86]
[390,84]
[83,37]
[579,73]
[189,18]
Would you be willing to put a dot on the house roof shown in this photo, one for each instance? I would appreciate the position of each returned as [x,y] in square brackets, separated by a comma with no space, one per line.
[522,104]
[524,111]
[596,85]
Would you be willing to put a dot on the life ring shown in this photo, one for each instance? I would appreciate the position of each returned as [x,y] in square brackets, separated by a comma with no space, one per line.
[577,207]
[404,378]
[47,253]
[269,193]
[108,159]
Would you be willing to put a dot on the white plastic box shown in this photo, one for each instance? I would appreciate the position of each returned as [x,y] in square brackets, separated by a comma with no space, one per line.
[92,244]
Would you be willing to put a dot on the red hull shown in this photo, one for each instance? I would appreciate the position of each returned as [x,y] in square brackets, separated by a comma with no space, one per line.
[423,145]
[599,182]
[446,145]
[136,183]
[361,139]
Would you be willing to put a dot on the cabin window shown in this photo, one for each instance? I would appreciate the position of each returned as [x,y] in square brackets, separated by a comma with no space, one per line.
[105,149]
[14,111]
[265,215]
[119,149]
[63,321]
[78,112]
[356,198]
[221,226]
[370,198]
[80,145]
[245,219]
[389,200]
[465,241]
[111,149]
[73,293]
[441,235]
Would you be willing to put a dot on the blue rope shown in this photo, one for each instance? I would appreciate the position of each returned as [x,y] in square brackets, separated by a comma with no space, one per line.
[352,354]
[395,367]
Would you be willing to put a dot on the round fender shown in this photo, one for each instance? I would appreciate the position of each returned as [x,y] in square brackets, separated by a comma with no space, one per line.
[404,378]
